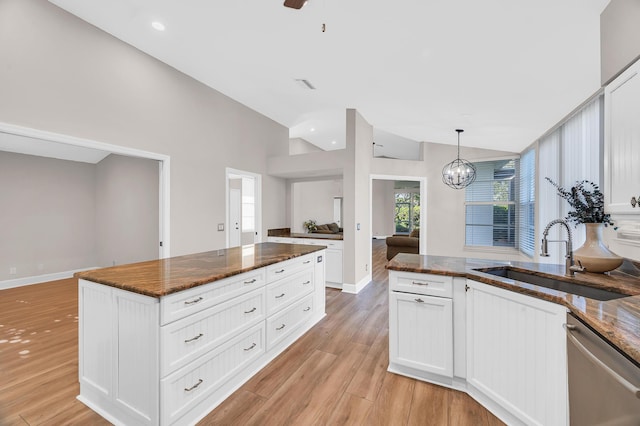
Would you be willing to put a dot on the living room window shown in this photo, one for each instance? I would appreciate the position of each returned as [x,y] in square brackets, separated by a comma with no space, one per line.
[407,212]
[491,205]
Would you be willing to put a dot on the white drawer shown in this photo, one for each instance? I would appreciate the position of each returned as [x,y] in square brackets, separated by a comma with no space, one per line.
[331,244]
[188,302]
[283,269]
[282,292]
[428,284]
[188,386]
[283,323]
[184,340]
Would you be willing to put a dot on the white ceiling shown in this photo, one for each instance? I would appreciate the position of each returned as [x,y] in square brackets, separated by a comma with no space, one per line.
[505,71]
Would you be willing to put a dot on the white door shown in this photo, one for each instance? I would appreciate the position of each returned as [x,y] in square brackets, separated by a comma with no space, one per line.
[516,353]
[235,232]
[421,332]
[622,149]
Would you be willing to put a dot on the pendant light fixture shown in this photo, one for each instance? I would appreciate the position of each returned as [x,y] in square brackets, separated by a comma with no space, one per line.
[459,173]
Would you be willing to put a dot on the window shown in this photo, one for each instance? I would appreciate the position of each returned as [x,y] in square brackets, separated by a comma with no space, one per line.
[526,203]
[571,152]
[407,213]
[248,204]
[490,205]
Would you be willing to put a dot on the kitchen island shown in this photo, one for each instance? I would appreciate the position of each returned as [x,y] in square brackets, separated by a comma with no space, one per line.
[164,342]
[498,330]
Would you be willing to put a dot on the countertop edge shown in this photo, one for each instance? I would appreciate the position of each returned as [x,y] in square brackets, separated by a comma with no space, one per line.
[90,275]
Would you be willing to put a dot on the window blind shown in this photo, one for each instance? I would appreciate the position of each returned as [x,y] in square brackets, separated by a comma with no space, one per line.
[490,205]
[526,203]
[571,153]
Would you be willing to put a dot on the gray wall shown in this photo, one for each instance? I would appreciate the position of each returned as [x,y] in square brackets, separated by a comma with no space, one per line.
[313,200]
[126,210]
[382,207]
[61,74]
[47,215]
[59,216]
[619,37]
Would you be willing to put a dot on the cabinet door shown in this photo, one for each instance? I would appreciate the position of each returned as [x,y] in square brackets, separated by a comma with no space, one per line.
[516,353]
[421,332]
[622,142]
[334,266]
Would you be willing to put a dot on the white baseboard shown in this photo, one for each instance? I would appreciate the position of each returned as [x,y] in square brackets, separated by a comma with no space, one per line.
[356,288]
[37,279]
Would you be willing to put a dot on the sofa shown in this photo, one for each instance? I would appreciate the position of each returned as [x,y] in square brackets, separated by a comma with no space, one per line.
[328,228]
[403,244]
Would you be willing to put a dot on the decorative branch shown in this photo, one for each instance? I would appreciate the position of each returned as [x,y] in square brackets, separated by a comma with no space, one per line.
[588,203]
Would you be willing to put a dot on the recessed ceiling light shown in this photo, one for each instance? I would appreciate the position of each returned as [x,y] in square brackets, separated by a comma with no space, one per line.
[158,25]
[313,129]
[333,142]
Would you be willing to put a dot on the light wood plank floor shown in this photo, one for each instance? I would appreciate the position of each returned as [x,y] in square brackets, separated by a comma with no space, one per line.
[334,375]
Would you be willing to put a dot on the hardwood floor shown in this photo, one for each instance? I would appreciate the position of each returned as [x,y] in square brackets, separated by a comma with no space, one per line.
[334,375]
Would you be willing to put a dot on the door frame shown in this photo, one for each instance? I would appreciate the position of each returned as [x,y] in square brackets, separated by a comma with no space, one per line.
[231,173]
[164,161]
[423,200]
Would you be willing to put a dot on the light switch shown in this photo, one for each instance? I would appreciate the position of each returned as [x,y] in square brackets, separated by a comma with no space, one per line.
[358,226]
[221,227]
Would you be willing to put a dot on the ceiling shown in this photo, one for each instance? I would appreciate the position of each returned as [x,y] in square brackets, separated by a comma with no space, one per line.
[505,71]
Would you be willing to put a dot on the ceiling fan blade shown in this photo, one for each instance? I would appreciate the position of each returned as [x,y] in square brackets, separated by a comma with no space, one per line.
[294,4]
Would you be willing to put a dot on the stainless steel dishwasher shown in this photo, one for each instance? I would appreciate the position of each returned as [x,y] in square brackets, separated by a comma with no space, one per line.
[604,385]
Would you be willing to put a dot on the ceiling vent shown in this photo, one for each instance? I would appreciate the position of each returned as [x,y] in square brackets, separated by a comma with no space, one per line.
[305,84]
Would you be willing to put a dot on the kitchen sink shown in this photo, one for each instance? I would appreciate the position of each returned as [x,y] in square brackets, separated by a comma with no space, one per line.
[567,287]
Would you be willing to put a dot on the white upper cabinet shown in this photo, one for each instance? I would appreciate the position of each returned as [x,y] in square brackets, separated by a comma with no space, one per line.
[622,143]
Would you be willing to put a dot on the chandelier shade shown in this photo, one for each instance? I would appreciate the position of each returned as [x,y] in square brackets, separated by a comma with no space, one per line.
[459,173]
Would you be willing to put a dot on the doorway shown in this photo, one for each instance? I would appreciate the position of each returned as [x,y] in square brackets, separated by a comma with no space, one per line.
[55,151]
[412,194]
[243,207]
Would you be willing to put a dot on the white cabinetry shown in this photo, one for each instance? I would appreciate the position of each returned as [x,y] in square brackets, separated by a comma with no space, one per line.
[622,142]
[516,355]
[421,326]
[334,254]
[171,360]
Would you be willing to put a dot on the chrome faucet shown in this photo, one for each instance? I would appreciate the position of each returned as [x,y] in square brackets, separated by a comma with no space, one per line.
[570,268]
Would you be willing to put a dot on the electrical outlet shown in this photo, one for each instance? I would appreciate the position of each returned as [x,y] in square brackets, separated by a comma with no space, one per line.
[366,267]
[13,270]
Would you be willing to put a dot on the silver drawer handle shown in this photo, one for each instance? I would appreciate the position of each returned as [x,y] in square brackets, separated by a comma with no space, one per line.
[586,352]
[194,338]
[418,283]
[419,300]
[306,282]
[249,311]
[308,261]
[194,386]
[194,301]
[281,327]
[280,271]
[251,282]
[278,297]
[250,347]
[307,310]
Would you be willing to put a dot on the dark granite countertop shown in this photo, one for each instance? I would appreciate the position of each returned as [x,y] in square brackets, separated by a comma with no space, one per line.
[617,320]
[286,233]
[158,278]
